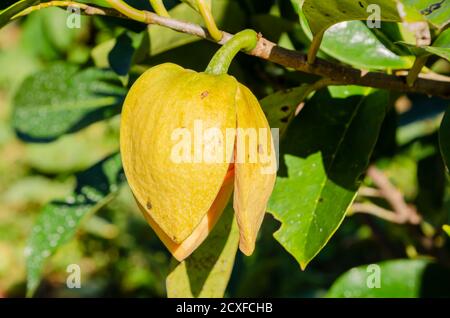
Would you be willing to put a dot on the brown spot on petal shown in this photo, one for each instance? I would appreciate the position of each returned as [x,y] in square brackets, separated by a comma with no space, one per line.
[260,148]
[204,94]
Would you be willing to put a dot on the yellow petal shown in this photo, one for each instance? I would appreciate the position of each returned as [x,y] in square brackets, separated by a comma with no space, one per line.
[183,250]
[163,108]
[255,168]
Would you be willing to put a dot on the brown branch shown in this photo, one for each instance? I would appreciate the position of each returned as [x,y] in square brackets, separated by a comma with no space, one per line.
[401,212]
[375,210]
[337,74]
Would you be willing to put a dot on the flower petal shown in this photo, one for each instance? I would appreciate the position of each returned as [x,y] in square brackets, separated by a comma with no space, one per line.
[158,139]
[183,250]
[255,167]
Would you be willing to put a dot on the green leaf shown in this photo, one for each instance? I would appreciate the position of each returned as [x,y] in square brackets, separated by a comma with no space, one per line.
[59,220]
[7,13]
[207,271]
[397,279]
[45,34]
[444,138]
[62,99]
[353,43]
[227,14]
[326,150]
[121,53]
[440,47]
[323,14]
[437,12]
[280,107]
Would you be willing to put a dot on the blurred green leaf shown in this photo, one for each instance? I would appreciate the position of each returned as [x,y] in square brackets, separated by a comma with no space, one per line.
[393,279]
[59,220]
[74,152]
[36,189]
[62,99]
[227,14]
[45,33]
[7,13]
[326,150]
[444,138]
[446,228]
[207,271]
[353,43]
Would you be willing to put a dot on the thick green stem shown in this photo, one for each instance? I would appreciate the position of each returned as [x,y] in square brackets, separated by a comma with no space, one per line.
[49,4]
[128,10]
[159,8]
[414,72]
[207,16]
[245,40]
[314,48]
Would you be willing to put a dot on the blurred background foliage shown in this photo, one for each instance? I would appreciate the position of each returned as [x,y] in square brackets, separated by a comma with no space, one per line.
[118,252]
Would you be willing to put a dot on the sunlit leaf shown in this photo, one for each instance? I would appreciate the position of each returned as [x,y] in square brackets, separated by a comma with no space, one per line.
[353,43]
[326,150]
[437,12]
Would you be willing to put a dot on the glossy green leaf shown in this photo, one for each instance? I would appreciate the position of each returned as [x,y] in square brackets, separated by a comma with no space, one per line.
[444,138]
[207,271]
[437,12]
[326,150]
[393,279]
[7,13]
[63,99]
[227,15]
[59,220]
[353,43]
[322,14]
